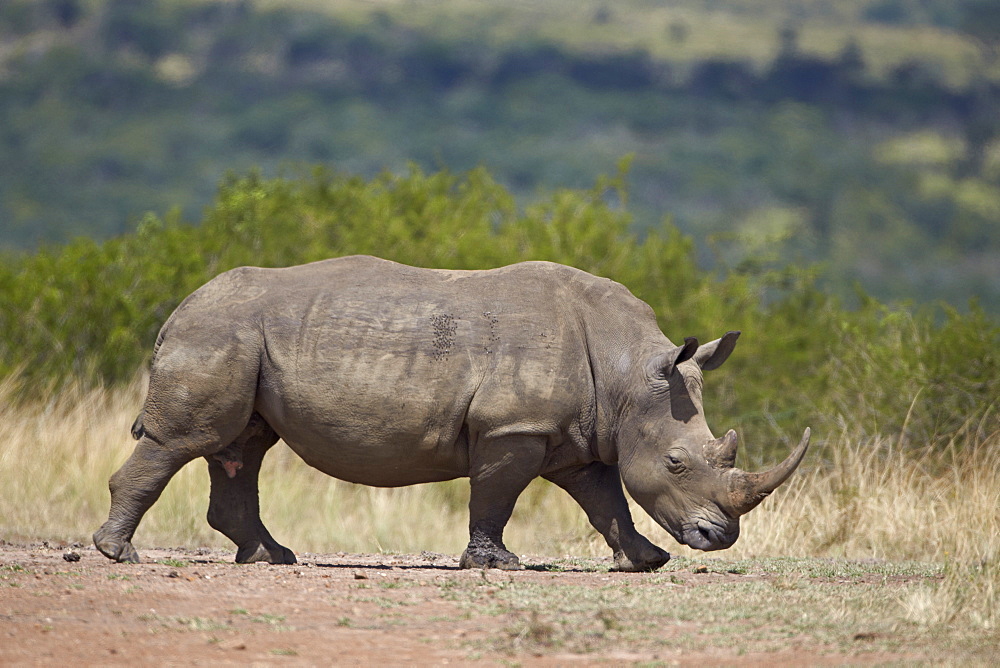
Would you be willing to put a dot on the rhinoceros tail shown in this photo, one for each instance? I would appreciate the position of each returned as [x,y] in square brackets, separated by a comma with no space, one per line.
[137,430]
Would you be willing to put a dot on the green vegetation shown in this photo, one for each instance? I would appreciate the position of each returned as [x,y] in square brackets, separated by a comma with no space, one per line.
[858,133]
[176,563]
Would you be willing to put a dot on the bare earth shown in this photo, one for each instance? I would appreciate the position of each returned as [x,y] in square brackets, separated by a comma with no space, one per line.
[196,607]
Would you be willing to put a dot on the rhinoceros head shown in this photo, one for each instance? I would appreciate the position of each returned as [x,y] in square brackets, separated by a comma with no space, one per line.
[670,462]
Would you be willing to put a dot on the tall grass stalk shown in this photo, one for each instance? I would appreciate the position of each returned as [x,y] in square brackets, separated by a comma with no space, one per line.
[859,497]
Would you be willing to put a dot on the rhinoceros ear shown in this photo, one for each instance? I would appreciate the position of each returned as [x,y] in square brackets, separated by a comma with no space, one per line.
[663,364]
[711,355]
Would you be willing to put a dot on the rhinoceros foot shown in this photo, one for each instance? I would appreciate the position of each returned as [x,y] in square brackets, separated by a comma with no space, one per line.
[649,558]
[486,549]
[495,558]
[272,553]
[115,548]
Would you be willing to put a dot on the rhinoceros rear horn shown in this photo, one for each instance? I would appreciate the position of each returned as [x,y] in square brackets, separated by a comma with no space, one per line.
[721,452]
[747,490]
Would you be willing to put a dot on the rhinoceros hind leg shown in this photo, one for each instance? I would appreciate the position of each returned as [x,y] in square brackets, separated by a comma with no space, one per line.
[114,548]
[234,506]
[500,469]
[134,488]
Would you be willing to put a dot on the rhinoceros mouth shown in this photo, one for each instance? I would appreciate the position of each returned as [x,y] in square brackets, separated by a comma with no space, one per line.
[707,535]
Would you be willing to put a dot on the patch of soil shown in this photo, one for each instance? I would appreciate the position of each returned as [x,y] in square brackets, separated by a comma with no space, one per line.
[69,605]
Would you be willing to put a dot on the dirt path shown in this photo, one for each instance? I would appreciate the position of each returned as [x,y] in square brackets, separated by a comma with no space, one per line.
[197,607]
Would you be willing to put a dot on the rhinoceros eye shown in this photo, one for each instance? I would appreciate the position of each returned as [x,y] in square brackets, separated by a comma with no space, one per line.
[675,461]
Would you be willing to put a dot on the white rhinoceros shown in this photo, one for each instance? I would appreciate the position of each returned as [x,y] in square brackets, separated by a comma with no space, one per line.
[383,374]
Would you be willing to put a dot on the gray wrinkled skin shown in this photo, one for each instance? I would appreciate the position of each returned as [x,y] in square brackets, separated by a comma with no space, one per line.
[383,374]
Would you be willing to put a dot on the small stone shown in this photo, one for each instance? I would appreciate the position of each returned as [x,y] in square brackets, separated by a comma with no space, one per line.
[700,568]
[360,575]
[71,555]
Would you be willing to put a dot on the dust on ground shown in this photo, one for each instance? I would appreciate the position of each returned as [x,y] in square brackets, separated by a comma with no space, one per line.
[69,605]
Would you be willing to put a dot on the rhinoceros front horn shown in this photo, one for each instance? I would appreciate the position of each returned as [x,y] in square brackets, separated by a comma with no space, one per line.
[747,490]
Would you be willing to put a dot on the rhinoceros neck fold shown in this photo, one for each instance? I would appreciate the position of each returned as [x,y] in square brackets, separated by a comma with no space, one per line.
[620,333]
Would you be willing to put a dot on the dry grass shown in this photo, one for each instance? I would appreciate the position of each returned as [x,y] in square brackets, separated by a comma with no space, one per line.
[869,499]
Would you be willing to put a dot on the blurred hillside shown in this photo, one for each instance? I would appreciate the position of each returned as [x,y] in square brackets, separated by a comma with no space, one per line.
[862,134]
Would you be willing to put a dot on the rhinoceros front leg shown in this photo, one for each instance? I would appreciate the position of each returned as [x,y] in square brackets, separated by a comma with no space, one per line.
[500,469]
[597,488]
[234,504]
[134,488]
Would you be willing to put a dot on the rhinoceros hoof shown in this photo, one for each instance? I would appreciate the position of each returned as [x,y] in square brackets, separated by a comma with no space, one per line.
[497,558]
[119,550]
[649,561]
[272,554]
